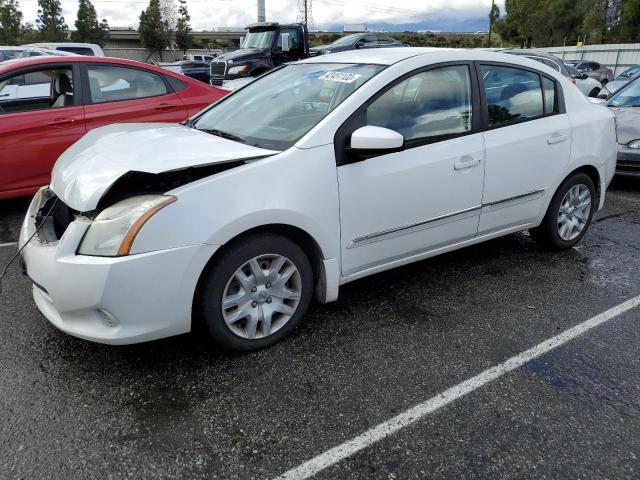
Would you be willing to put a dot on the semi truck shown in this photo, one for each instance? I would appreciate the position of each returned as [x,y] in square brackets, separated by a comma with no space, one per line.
[265,46]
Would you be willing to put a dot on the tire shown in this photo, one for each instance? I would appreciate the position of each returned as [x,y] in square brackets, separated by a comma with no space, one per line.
[594,93]
[254,318]
[550,232]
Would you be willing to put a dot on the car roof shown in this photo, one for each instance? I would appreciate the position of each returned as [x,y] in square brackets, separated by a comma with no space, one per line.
[389,56]
[62,44]
[9,65]
[378,56]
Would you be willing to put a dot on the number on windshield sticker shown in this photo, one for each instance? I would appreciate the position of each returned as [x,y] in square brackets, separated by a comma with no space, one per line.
[343,77]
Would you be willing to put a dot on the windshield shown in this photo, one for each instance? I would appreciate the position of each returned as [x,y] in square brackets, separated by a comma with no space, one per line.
[630,72]
[628,96]
[277,110]
[348,40]
[259,39]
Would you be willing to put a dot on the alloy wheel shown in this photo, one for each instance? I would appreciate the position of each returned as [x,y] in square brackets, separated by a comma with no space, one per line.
[574,212]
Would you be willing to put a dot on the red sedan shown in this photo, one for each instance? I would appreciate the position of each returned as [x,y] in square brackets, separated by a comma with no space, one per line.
[48,103]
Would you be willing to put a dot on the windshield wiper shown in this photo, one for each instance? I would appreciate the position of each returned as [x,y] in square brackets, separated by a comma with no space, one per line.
[220,133]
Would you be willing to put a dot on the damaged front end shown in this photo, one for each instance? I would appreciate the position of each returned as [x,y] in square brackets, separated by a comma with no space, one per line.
[52,216]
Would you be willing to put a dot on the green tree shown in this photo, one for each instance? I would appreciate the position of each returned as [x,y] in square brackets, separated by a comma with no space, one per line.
[151,29]
[10,20]
[87,27]
[629,25]
[601,18]
[51,22]
[494,15]
[184,39]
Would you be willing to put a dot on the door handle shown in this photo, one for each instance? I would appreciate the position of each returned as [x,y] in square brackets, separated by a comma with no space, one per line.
[556,138]
[61,122]
[467,162]
[163,107]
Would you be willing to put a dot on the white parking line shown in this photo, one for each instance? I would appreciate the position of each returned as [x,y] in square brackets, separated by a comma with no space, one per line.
[10,244]
[348,448]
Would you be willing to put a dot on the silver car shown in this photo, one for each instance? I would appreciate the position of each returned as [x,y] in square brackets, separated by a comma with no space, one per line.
[593,69]
[625,104]
[620,81]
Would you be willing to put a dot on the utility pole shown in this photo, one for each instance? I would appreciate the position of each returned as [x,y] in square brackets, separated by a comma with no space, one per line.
[261,11]
[305,12]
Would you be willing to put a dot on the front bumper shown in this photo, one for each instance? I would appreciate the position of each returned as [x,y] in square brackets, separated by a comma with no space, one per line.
[112,300]
[218,80]
[628,163]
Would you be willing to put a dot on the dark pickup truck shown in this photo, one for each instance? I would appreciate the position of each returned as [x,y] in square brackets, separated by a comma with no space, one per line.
[265,46]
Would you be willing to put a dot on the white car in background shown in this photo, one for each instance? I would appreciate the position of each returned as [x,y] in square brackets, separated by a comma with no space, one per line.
[586,84]
[13,52]
[316,174]
[76,48]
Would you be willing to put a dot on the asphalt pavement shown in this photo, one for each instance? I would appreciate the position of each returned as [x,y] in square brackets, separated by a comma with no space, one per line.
[176,408]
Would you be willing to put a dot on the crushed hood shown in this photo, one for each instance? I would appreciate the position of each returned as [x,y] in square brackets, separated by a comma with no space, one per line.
[86,171]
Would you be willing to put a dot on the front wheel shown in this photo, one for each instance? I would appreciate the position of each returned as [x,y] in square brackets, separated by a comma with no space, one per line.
[255,293]
[594,93]
[569,214]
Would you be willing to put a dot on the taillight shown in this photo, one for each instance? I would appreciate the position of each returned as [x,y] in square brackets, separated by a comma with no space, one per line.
[573,80]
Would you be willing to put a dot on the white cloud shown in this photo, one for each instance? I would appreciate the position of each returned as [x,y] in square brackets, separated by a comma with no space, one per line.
[206,14]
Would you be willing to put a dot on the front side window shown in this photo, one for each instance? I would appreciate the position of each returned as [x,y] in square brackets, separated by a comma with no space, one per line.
[277,110]
[294,39]
[37,90]
[108,83]
[429,104]
[512,94]
[382,40]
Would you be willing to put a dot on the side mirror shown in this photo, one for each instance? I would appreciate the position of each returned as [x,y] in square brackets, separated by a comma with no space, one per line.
[285,42]
[376,138]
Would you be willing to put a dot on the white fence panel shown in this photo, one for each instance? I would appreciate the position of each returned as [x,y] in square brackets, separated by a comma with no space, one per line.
[618,57]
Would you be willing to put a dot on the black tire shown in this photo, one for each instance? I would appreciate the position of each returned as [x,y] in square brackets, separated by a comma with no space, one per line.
[594,93]
[547,233]
[208,314]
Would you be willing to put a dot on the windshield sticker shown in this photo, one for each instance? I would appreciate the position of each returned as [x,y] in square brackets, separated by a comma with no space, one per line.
[343,77]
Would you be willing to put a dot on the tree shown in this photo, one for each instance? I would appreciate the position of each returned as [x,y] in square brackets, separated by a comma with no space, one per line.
[601,17]
[629,25]
[494,15]
[151,29]
[169,15]
[184,39]
[51,22]
[87,27]
[10,20]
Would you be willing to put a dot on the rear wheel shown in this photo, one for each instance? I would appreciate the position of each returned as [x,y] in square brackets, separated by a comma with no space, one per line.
[569,214]
[255,293]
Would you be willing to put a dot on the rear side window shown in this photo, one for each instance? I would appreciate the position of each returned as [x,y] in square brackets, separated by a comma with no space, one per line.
[549,89]
[108,83]
[176,84]
[512,94]
[429,104]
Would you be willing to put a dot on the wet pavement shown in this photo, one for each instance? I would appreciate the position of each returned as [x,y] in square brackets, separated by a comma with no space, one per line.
[177,409]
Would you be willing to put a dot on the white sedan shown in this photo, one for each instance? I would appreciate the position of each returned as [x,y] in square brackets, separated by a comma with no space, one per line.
[319,173]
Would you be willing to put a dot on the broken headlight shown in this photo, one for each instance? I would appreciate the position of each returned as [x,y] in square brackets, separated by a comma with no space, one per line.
[113,231]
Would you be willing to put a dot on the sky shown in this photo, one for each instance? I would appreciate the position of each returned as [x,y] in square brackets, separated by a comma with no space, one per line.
[206,14]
